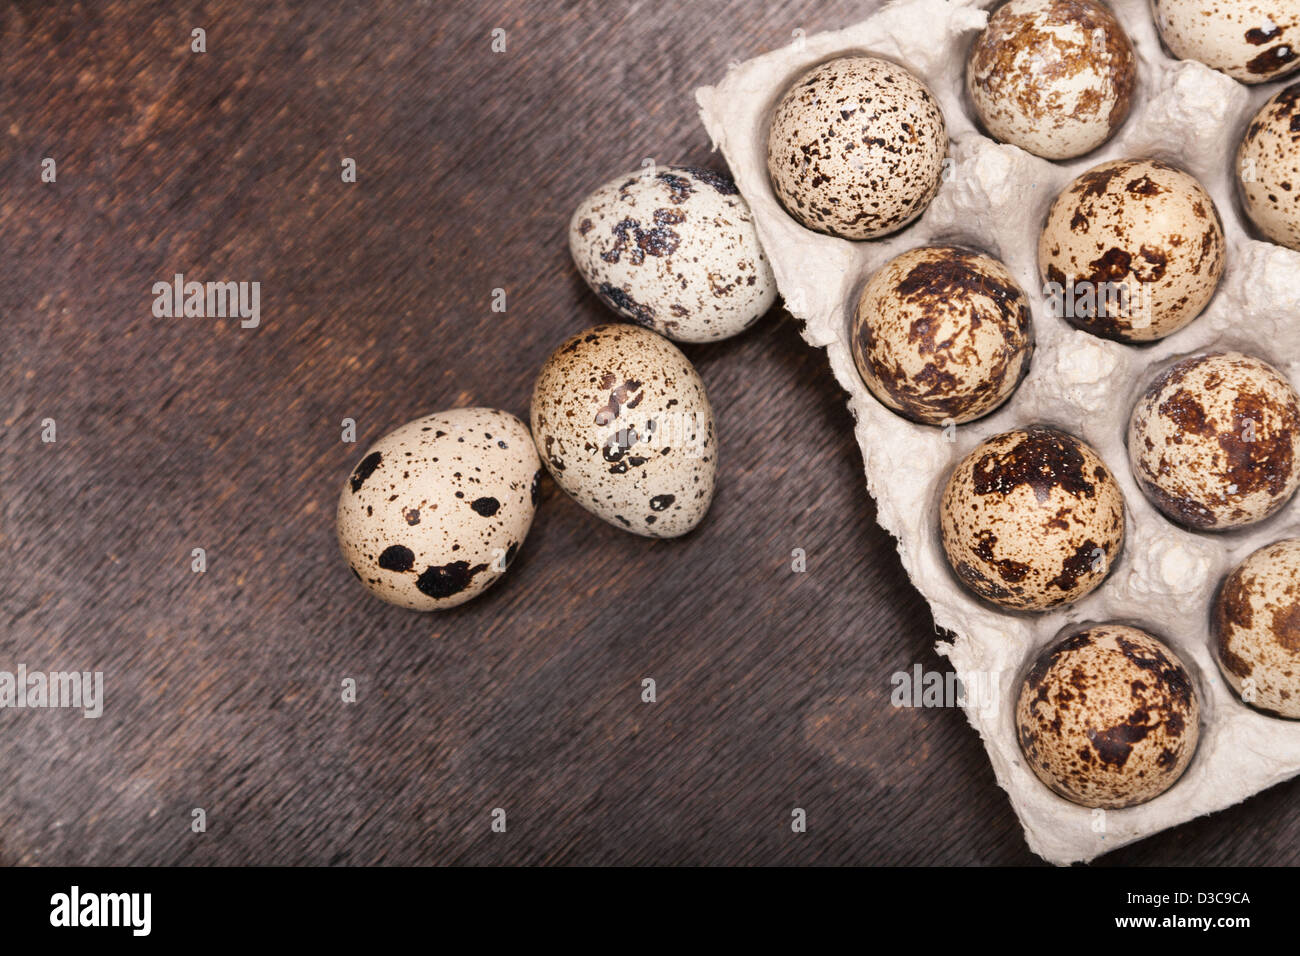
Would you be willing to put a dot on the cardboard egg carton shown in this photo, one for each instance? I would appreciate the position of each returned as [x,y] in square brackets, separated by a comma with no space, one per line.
[995,198]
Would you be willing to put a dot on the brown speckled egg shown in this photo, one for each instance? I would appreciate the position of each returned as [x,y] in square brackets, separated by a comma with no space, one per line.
[1257,629]
[1268,168]
[1214,442]
[942,334]
[856,148]
[1108,717]
[1251,40]
[1054,77]
[1032,519]
[1132,250]
[435,511]
[674,249]
[622,422]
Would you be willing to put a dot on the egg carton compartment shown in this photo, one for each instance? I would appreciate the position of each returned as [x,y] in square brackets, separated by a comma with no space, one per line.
[995,198]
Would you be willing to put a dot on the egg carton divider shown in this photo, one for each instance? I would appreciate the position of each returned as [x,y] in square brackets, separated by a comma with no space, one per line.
[995,198]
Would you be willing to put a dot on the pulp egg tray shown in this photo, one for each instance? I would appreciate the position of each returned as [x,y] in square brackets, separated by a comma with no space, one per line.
[994,198]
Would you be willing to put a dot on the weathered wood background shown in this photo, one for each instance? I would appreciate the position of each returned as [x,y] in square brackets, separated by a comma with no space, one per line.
[223,687]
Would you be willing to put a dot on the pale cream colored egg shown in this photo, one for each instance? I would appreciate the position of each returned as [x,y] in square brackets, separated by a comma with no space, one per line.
[1251,40]
[436,510]
[621,419]
[1257,629]
[1032,519]
[1268,168]
[1214,442]
[1108,717]
[856,148]
[1054,77]
[942,334]
[1132,250]
[674,249]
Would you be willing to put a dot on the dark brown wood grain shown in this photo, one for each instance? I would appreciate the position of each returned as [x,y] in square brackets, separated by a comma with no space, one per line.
[223,687]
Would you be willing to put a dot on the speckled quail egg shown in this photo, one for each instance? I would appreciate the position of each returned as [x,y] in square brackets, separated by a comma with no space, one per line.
[437,509]
[1108,717]
[942,334]
[1054,77]
[622,422]
[856,148]
[1032,519]
[1268,168]
[1251,40]
[1132,250]
[1257,629]
[674,249]
[1214,442]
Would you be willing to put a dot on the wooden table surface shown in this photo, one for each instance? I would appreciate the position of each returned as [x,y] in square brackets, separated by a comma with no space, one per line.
[223,688]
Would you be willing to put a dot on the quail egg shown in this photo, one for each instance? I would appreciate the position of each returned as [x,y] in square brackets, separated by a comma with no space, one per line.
[942,334]
[436,510]
[622,422]
[1032,519]
[1257,629]
[1214,442]
[1268,168]
[674,249]
[1250,40]
[1108,717]
[856,148]
[1132,250]
[1054,77]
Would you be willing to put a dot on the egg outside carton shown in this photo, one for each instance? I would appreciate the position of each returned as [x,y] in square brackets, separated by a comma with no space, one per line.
[996,201]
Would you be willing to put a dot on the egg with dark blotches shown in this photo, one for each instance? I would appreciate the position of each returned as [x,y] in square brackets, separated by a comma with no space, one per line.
[1132,250]
[1032,519]
[942,334]
[1253,41]
[1054,77]
[1108,717]
[674,249]
[437,509]
[623,424]
[1214,442]
[1268,168]
[856,148]
[1257,629]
